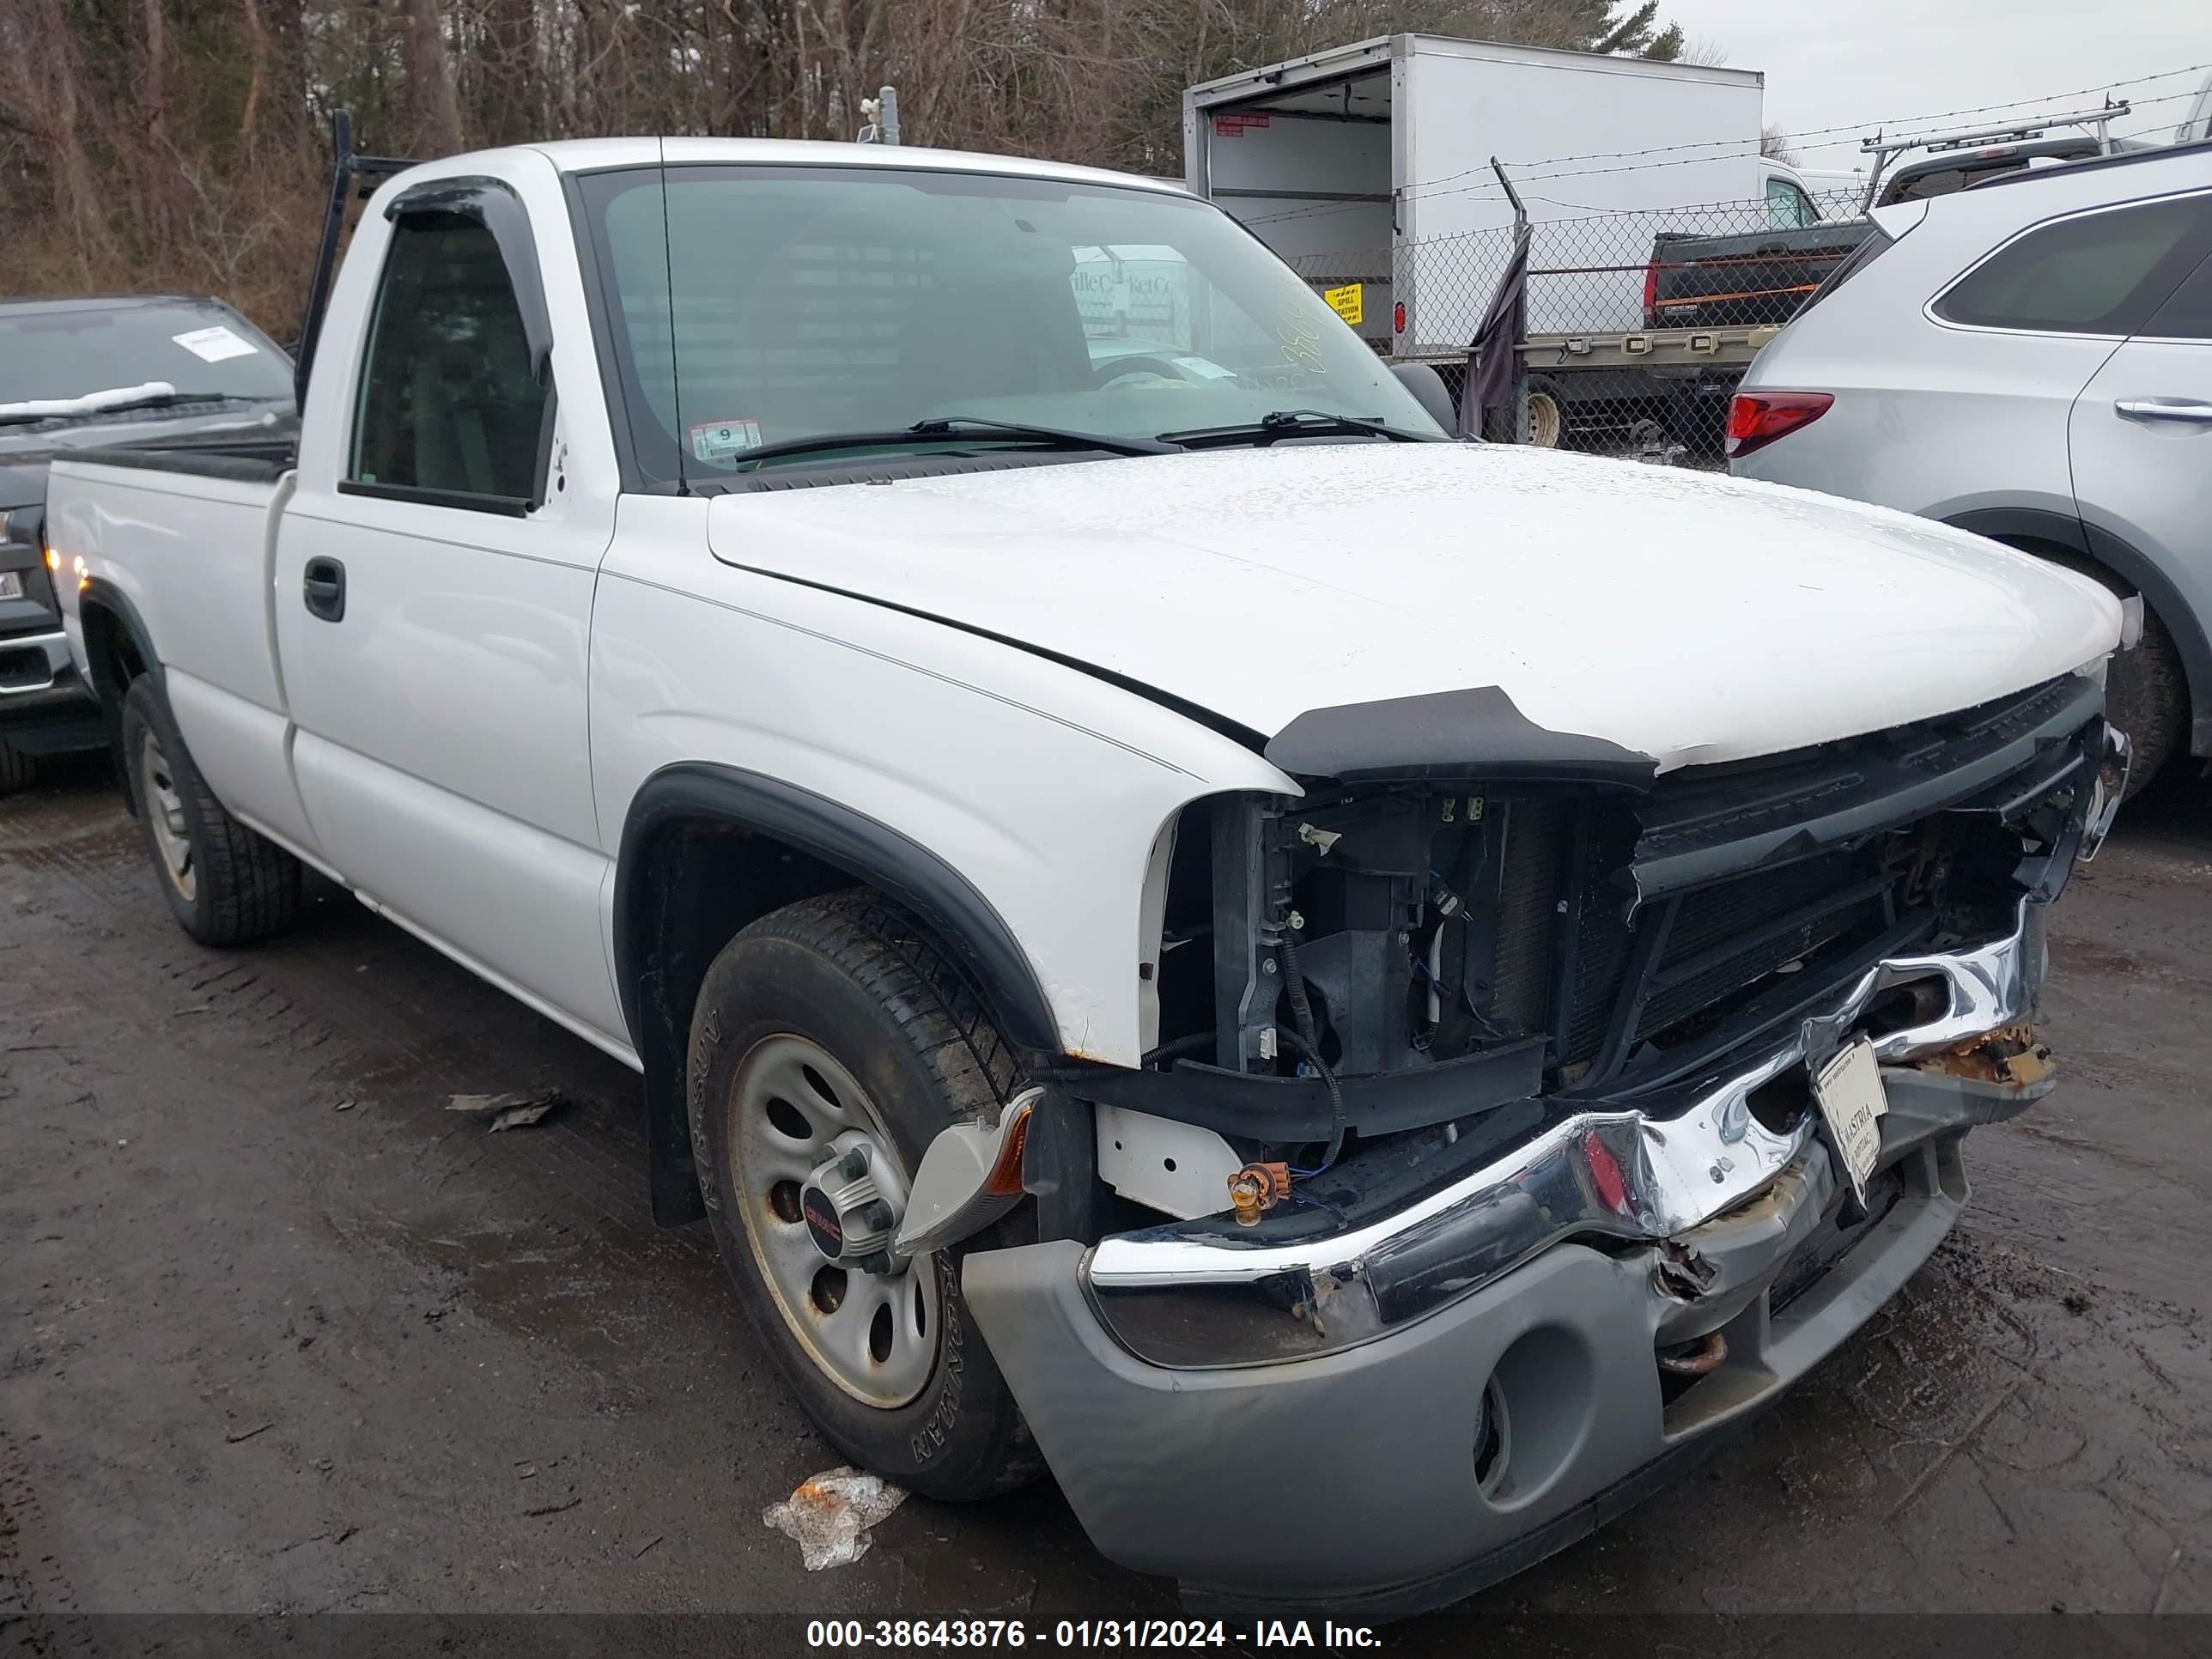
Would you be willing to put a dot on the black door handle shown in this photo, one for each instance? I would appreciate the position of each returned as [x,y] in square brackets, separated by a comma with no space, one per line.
[325,589]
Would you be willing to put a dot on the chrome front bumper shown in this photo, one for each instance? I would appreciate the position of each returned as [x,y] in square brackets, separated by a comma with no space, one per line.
[1644,1174]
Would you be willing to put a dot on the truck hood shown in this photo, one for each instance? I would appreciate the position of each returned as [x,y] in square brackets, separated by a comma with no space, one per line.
[1686,617]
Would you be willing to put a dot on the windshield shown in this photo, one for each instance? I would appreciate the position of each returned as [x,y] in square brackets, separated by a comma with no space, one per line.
[69,350]
[817,300]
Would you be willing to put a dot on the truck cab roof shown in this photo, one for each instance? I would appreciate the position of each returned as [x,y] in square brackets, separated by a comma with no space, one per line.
[599,154]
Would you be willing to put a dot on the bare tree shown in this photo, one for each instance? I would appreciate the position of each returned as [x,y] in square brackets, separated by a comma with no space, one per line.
[176,142]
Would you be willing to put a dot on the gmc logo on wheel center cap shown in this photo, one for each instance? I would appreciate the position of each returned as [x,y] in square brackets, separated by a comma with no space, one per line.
[823,1225]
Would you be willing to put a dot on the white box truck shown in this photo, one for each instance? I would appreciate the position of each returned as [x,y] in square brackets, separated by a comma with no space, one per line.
[1368,168]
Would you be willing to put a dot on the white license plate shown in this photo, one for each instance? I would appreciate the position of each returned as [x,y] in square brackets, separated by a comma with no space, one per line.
[1849,1090]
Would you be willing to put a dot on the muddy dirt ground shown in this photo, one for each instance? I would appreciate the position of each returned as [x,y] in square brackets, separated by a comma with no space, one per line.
[280,1334]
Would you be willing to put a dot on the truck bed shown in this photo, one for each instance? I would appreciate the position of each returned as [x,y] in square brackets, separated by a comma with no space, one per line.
[177,535]
[1757,279]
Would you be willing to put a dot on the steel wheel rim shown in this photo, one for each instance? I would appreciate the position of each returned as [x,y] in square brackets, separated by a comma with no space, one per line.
[1544,420]
[164,807]
[875,1337]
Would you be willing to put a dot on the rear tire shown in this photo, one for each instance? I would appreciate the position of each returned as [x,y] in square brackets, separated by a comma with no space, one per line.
[226,884]
[831,1021]
[2147,697]
[18,771]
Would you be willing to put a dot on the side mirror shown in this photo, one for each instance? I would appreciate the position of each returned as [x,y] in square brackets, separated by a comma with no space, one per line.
[1428,387]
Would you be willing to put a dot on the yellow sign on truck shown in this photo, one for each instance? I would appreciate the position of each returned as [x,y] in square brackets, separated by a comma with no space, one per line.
[1345,302]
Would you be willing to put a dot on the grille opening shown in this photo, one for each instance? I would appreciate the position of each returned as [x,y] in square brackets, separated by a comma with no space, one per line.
[1778,1105]
[1901,1007]
[1490,1440]
[1687,964]
[24,669]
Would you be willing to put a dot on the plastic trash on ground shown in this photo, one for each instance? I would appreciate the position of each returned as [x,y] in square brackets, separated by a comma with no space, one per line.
[829,1514]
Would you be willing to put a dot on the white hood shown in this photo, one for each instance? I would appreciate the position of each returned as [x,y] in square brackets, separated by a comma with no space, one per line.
[1688,617]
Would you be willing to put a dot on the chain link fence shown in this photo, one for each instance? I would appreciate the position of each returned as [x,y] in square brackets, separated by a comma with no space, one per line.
[1639,324]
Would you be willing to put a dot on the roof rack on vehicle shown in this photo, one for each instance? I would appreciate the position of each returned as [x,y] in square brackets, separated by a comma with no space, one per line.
[2116,158]
[1885,151]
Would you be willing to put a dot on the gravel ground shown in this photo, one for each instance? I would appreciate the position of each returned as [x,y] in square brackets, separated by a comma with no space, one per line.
[280,1335]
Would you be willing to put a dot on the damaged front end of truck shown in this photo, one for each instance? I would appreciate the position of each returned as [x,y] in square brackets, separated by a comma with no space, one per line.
[1512,1040]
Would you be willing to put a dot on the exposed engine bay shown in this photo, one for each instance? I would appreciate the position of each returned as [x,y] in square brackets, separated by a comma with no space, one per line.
[1401,953]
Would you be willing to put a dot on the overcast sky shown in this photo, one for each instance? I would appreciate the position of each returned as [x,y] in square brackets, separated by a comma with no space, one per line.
[1868,60]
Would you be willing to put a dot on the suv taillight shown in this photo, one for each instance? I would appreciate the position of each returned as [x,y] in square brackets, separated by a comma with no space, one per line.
[1651,292]
[1756,419]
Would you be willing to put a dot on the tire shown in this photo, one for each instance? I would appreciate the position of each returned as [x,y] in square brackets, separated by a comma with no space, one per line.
[226,884]
[2147,697]
[2146,692]
[1547,415]
[18,771]
[840,1010]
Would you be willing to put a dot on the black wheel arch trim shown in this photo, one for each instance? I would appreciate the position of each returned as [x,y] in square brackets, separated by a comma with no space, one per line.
[98,594]
[869,851]
[2007,524]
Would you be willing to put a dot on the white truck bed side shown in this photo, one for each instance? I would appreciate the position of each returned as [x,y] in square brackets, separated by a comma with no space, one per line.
[190,553]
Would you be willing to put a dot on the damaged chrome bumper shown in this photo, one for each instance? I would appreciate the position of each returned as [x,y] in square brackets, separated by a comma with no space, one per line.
[1648,1173]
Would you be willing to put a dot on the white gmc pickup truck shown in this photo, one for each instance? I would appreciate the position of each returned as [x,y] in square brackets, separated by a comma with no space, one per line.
[1358,997]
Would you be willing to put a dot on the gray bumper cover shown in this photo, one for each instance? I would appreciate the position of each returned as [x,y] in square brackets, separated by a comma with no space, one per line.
[1346,1482]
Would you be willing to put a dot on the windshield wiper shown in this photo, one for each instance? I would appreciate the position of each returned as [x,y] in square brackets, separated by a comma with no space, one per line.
[940,427]
[1281,423]
[95,403]
[1051,434]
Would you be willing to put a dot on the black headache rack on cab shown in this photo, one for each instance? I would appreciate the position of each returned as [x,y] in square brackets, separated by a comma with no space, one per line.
[352,177]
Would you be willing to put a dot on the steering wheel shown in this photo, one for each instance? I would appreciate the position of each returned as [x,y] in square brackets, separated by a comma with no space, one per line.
[1116,369]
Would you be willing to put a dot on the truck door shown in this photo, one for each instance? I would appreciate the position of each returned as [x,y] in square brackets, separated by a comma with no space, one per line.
[2140,440]
[435,576]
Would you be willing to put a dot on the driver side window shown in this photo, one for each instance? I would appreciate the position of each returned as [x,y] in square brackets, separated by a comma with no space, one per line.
[448,404]
[1788,208]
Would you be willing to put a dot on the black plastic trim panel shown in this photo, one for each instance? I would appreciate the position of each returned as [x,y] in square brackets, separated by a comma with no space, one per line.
[506,507]
[261,462]
[1794,806]
[869,851]
[1473,735]
[1297,1109]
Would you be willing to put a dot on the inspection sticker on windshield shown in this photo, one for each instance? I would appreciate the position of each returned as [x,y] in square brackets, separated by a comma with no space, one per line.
[1849,1090]
[717,441]
[212,345]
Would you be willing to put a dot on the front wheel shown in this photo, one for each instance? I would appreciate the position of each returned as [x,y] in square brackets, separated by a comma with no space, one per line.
[831,1042]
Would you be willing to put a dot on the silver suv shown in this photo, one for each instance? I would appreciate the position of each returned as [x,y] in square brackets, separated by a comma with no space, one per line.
[2030,359]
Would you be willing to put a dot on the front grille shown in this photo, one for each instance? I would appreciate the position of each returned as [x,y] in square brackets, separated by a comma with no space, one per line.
[1693,955]
[1675,911]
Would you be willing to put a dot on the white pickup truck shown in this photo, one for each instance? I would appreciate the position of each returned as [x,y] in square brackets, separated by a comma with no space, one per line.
[1358,996]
